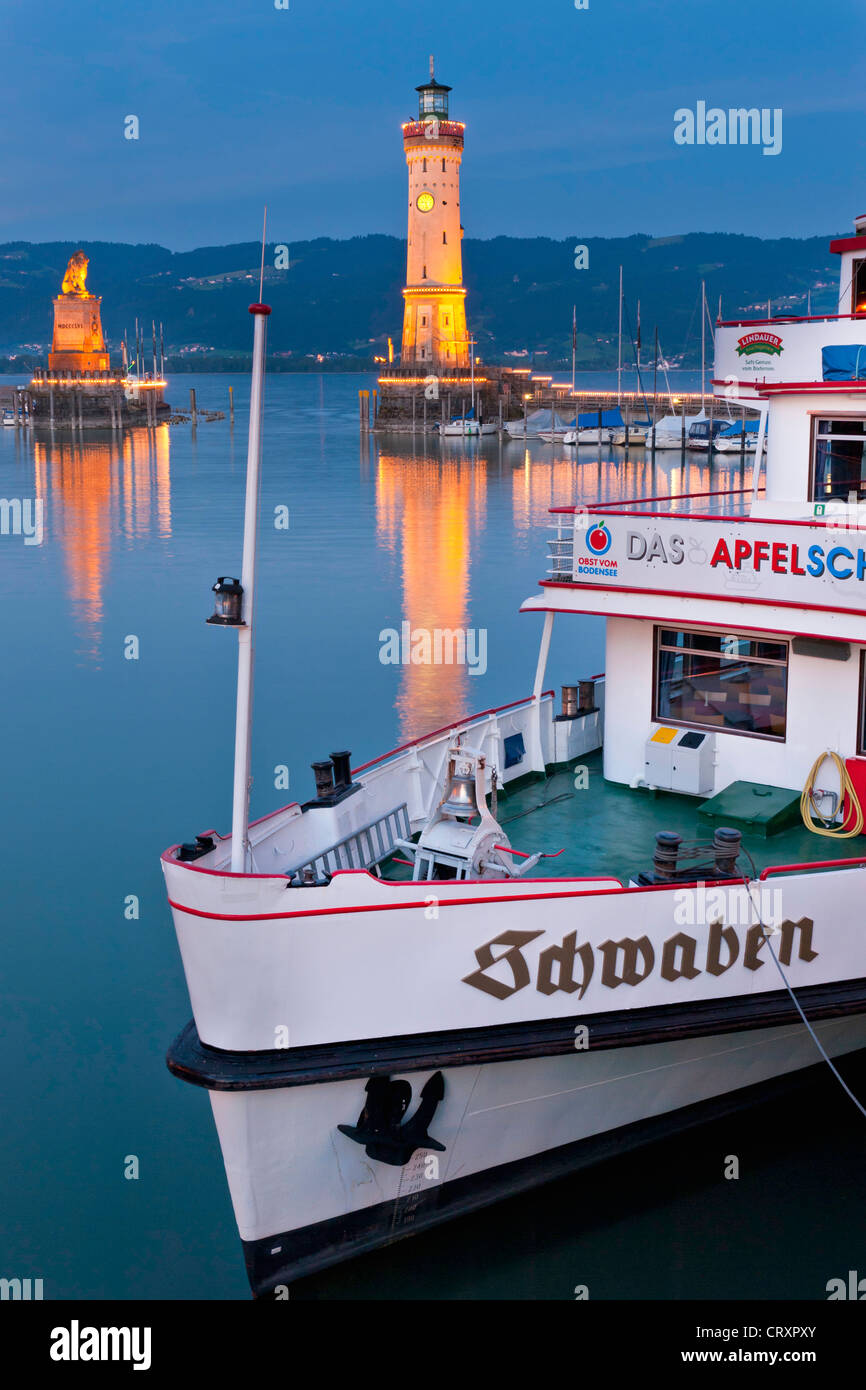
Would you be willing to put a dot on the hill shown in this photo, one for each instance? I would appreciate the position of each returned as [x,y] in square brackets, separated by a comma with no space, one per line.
[339,300]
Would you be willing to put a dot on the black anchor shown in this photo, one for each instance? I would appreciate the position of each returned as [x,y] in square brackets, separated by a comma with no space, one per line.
[379,1126]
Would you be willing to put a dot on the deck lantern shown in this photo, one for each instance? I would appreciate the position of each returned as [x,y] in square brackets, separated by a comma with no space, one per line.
[227,603]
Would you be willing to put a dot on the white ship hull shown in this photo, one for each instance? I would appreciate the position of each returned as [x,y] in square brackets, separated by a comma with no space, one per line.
[306,1195]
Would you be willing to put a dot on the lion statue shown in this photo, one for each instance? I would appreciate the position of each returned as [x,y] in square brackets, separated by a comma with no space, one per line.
[76,276]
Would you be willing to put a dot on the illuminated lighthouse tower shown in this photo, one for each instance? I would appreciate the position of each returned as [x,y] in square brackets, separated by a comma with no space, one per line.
[434,317]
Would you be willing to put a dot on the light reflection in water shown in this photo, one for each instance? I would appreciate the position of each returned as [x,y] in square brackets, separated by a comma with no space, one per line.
[431,508]
[429,511]
[97,493]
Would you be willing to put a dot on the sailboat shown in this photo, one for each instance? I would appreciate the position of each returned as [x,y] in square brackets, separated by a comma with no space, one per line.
[466,425]
[400,1015]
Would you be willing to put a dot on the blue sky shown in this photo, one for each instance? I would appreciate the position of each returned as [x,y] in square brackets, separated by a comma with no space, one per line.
[569,114]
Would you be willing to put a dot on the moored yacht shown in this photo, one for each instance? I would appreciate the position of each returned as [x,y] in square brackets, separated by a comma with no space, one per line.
[401,1015]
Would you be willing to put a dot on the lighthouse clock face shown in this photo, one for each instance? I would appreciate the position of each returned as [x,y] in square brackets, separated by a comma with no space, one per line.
[425,202]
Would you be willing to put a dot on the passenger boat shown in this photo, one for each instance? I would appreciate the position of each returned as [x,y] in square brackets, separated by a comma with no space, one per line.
[400,1014]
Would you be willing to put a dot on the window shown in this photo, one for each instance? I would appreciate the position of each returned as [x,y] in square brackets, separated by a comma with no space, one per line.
[838,458]
[424,164]
[721,681]
[858,287]
[423,320]
[443,166]
[444,240]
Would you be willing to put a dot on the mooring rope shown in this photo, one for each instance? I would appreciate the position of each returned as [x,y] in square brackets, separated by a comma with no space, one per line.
[845,1087]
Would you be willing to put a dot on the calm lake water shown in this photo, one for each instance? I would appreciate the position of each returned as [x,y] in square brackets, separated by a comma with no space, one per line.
[108,760]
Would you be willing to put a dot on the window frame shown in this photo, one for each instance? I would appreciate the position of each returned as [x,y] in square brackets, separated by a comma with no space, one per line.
[816,416]
[860,743]
[657,718]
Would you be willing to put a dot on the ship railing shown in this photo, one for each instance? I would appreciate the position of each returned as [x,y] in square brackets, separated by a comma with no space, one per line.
[364,848]
[515,738]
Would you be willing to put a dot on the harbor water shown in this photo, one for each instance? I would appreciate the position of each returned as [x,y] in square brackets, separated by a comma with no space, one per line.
[119,730]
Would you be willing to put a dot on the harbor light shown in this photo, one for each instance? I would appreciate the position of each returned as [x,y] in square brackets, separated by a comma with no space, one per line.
[227,603]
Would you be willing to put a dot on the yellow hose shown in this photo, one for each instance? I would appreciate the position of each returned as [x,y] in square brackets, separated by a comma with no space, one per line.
[848,797]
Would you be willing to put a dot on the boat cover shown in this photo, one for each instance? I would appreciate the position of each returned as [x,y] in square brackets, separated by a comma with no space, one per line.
[610,419]
[844,362]
[751,427]
[672,424]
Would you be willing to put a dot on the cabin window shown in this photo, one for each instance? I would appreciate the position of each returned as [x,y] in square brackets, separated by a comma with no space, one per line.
[721,680]
[838,459]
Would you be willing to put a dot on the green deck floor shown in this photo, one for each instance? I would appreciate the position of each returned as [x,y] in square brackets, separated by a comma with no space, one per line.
[609,830]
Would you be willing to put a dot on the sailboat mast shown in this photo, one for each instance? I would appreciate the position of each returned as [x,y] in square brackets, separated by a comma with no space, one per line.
[243,718]
[472,371]
[573,347]
[619,348]
[703,342]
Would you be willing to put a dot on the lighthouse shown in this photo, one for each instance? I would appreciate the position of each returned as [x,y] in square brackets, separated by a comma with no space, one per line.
[434,315]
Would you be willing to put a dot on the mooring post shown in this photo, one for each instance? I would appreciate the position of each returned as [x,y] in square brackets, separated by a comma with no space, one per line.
[743,437]
[413,409]
[192,409]
[710,438]
[231,405]
[683,433]
[375,405]
[626,429]
[51,406]
[425,412]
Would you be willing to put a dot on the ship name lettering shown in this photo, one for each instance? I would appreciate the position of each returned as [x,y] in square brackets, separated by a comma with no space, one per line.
[569,967]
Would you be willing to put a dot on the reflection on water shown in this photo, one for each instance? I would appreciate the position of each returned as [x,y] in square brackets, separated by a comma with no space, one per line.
[431,506]
[430,510]
[100,493]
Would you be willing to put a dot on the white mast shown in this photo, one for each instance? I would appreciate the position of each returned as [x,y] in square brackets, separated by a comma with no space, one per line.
[573,347]
[703,342]
[243,719]
[471,358]
[619,347]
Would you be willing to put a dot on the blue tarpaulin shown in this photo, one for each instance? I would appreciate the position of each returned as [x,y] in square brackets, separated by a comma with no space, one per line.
[609,419]
[733,430]
[844,362]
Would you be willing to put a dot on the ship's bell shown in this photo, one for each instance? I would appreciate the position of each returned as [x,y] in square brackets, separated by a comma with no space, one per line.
[461,798]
